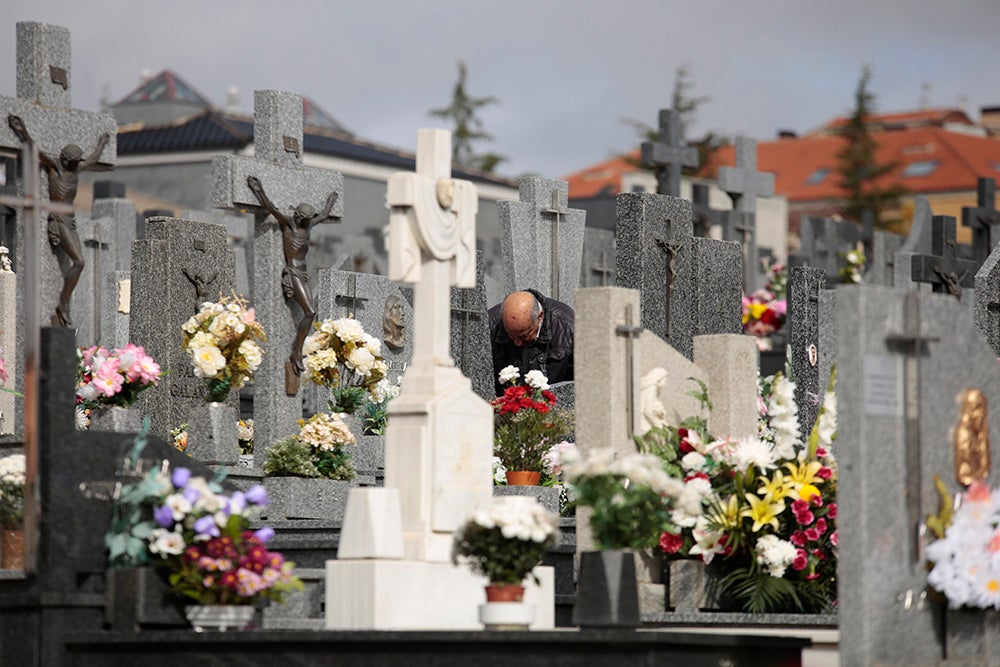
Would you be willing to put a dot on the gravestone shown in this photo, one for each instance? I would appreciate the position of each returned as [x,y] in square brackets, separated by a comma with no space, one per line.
[379,305]
[902,359]
[240,230]
[111,278]
[743,183]
[805,284]
[667,155]
[277,165]
[703,216]
[598,258]
[541,239]
[987,300]
[918,242]
[470,333]
[654,248]
[717,287]
[178,266]
[942,268]
[984,219]
[43,103]
[96,241]
[882,258]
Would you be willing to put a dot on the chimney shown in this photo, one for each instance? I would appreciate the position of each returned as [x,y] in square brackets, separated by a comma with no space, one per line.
[787,134]
[989,117]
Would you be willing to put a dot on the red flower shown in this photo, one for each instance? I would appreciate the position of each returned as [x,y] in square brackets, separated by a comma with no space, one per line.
[824,473]
[821,525]
[696,475]
[816,499]
[549,396]
[834,540]
[229,579]
[804,518]
[671,543]
[798,538]
[801,560]
[812,534]
[821,453]
[832,513]
[542,407]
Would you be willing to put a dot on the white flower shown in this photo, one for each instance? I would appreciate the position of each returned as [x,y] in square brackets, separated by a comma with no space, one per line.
[315,342]
[179,506]
[693,461]
[499,472]
[88,391]
[360,360]
[508,374]
[82,421]
[201,339]
[244,430]
[826,425]
[706,541]
[373,344]
[320,360]
[191,325]
[208,361]
[166,542]
[775,554]
[752,452]
[252,353]
[348,330]
[537,380]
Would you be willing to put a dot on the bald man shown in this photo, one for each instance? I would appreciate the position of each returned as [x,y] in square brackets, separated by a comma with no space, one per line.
[532,332]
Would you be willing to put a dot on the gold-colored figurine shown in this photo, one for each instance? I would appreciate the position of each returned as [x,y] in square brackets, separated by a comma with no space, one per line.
[972,438]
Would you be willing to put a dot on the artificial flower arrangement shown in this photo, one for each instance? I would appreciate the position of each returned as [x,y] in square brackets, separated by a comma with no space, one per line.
[179,437]
[505,542]
[113,378]
[318,450]
[764,310]
[375,413]
[12,480]
[345,359]
[966,567]
[199,537]
[854,261]
[768,521]
[222,340]
[526,422]
[244,434]
[632,498]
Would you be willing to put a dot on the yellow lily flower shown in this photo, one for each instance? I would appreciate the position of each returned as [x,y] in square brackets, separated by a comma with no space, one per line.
[804,473]
[764,512]
[775,487]
[727,514]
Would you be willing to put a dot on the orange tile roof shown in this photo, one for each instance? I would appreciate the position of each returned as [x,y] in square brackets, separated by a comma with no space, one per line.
[961,159]
[906,119]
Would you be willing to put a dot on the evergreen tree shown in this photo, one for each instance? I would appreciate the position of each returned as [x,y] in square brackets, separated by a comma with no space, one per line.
[858,167]
[467,126]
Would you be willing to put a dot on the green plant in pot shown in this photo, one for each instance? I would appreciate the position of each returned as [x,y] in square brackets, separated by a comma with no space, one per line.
[317,450]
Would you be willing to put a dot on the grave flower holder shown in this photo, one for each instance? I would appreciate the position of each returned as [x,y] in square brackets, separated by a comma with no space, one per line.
[607,595]
[212,434]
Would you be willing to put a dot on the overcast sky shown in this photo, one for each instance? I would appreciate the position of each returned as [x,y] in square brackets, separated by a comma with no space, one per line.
[566,72]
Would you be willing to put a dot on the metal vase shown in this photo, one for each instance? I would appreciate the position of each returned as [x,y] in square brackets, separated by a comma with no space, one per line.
[607,595]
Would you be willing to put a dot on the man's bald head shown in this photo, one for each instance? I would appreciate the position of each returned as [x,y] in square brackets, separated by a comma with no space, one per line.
[522,317]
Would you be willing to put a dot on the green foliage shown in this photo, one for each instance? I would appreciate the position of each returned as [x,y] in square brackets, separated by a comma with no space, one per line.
[623,516]
[759,594]
[334,464]
[375,418]
[347,399]
[858,166]
[467,126]
[290,458]
[500,559]
[522,439]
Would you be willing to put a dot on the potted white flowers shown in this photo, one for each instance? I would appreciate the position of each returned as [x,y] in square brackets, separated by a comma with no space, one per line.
[504,543]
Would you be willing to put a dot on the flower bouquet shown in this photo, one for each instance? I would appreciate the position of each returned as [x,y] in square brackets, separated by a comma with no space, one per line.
[222,342]
[853,270]
[199,537]
[316,451]
[526,422]
[966,567]
[773,514]
[244,434]
[340,356]
[113,378]
[764,310]
[506,542]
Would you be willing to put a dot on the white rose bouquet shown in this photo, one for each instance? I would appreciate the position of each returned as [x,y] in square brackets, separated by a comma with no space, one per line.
[222,342]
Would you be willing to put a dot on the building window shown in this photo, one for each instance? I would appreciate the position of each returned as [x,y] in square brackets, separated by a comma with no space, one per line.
[921,168]
[638,188]
[818,176]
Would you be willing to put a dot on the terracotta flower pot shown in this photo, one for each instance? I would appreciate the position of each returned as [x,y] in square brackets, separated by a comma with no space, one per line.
[504,593]
[523,478]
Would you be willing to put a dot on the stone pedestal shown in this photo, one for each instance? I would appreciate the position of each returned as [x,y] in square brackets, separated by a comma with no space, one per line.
[305,498]
[547,496]
[117,419]
[212,434]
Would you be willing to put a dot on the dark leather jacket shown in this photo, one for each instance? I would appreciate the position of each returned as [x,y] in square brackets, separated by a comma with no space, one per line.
[551,352]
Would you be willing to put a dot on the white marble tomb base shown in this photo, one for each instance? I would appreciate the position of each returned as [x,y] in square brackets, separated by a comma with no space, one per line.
[418,595]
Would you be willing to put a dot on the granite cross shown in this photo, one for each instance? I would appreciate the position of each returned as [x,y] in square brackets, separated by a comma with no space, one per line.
[942,268]
[743,183]
[914,345]
[240,183]
[703,216]
[630,331]
[983,219]
[669,154]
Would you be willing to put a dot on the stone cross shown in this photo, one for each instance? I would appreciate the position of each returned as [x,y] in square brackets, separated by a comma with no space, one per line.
[804,286]
[598,258]
[349,299]
[882,258]
[653,255]
[629,331]
[942,267]
[96,239]
[984,219]
[703,216]
[277,166]
[542,239]
[819,245]
[43,104]
[743,183]
[668,155]
[440,432]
